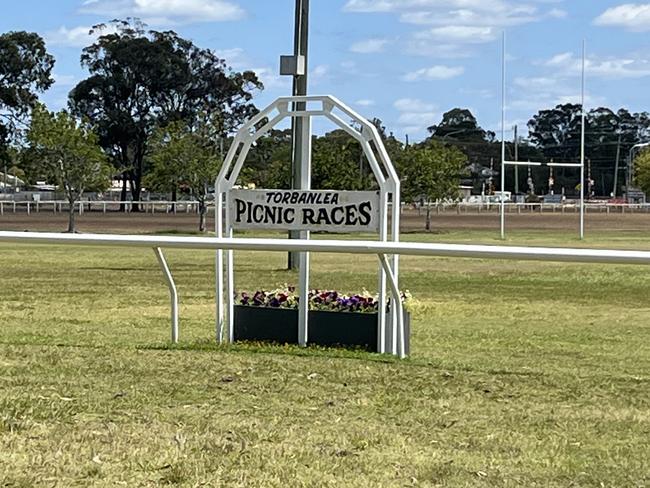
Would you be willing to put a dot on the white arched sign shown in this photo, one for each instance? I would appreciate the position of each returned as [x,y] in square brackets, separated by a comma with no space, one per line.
[307,210]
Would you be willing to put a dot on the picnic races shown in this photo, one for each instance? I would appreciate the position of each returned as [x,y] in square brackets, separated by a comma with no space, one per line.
[334,211]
